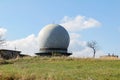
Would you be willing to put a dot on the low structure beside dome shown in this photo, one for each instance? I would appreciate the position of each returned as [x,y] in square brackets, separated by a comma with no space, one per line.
[9,54]
[54,41]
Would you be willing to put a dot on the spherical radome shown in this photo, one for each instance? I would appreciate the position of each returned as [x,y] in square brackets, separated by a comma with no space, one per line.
[54,36]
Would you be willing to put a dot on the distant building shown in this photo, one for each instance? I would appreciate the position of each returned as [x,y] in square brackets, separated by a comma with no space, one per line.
[54,41]
[9,54]
[109,56]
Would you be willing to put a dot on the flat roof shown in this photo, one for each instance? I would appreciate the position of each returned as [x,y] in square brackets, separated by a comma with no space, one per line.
[9,50]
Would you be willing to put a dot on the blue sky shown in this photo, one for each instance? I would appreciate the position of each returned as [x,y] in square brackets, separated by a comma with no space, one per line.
[22,18]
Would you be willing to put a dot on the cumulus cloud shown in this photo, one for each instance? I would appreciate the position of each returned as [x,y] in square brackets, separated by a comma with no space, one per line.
[84,53]
[28,45]
[79,23]
[74,35]
[3,31]
[75,43]
[87,53]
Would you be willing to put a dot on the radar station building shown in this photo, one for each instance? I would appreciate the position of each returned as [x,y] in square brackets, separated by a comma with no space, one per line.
[53,41]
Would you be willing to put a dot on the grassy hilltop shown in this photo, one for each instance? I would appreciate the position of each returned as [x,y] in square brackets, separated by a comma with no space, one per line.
[56,68]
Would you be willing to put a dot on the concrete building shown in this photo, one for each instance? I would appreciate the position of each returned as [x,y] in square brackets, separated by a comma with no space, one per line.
[9,54]
[54,41]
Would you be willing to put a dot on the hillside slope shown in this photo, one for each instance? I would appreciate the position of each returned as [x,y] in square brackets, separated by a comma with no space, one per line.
[56,68]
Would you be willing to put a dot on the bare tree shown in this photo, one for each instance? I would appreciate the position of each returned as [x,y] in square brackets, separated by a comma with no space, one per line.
[93,46]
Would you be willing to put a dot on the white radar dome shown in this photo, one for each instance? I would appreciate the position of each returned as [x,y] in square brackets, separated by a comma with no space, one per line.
[54,36]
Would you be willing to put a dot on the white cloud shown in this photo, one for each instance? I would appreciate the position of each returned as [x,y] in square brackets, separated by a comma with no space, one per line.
[84,53]
[79,23]
[28,45]
[75,43]
[74,35]
[87,53]
[3,31]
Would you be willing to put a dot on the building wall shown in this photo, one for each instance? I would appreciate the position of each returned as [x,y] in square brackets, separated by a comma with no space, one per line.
[8,54]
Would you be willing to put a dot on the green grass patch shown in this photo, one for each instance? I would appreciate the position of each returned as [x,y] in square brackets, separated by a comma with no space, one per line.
[59,68]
